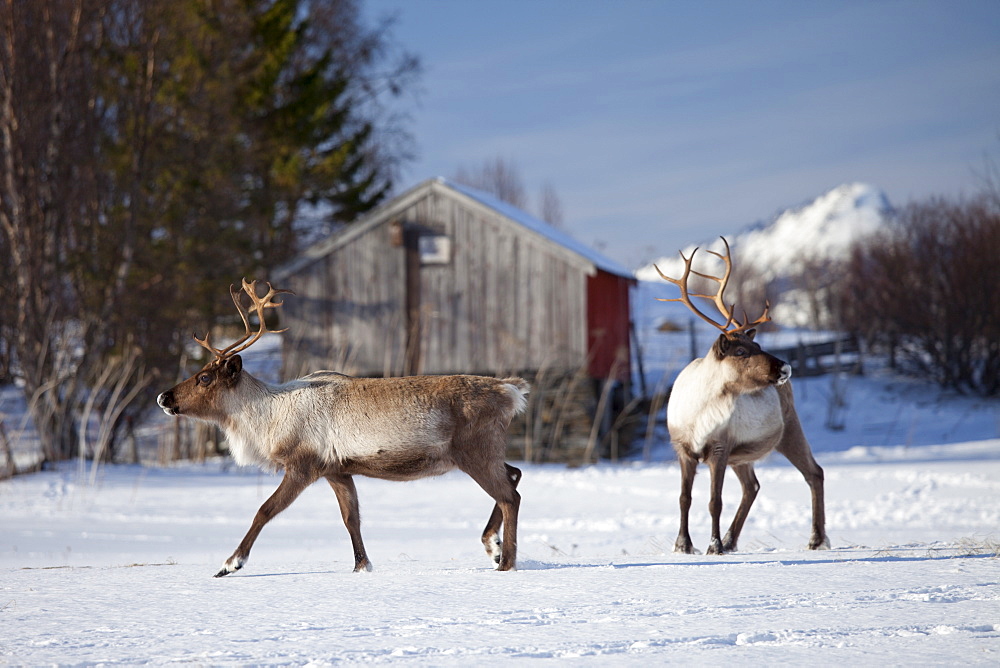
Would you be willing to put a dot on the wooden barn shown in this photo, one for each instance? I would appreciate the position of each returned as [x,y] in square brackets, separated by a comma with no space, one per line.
[448,279]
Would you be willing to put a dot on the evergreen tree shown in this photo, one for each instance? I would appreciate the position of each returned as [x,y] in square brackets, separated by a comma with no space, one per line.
[153,153]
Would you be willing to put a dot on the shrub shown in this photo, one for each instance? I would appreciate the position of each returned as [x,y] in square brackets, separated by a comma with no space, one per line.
[928,292]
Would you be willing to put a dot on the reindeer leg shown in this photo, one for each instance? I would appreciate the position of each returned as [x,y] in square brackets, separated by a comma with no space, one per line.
[795,447]
[689,466]
[503,489]
[799,454]
[491,534]
[347,497]
[291,486]
[717,462]
[750,488]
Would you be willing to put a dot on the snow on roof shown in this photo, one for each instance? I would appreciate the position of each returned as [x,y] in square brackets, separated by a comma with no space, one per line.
[539,227]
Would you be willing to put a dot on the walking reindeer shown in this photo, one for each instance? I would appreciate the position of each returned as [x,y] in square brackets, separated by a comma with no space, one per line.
[732,408]
[332,426]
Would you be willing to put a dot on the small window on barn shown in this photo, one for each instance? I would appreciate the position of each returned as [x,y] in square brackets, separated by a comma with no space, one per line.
[435,249]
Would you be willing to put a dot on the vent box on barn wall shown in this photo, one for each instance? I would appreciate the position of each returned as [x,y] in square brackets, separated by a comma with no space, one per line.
[432,246]
[435,249]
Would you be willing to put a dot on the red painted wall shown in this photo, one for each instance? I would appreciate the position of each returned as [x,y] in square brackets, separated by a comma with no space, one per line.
[608,325]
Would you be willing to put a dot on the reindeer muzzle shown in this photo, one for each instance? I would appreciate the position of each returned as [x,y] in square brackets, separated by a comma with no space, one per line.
[167,403]
[784,373]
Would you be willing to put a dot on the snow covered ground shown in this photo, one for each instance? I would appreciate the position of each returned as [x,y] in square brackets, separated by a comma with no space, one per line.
[119,572]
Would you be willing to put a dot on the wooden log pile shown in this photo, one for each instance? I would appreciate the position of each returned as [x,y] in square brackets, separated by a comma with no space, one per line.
[571,418]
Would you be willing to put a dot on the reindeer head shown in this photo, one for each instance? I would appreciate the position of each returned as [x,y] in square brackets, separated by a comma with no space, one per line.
[747,364]
[200,396]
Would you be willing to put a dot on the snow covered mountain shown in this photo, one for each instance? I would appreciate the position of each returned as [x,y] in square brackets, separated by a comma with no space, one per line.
[822,230]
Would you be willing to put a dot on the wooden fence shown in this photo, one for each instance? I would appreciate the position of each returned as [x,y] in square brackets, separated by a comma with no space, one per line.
[816,359]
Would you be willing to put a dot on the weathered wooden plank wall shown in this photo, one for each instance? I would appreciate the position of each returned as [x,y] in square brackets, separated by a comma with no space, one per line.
[347,314]
[505,302]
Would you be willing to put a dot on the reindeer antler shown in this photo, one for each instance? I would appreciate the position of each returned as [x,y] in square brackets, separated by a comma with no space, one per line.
[259,304]
[718,298]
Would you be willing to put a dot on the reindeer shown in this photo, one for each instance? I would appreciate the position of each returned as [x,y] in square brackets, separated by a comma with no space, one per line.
[732,408]
[332,426]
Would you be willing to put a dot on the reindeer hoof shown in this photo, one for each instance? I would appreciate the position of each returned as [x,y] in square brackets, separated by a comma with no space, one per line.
[685,546]
[715,547]
[494,548]
[232,565]
[820,544]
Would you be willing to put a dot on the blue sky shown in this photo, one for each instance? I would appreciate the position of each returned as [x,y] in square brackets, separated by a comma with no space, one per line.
[661,124]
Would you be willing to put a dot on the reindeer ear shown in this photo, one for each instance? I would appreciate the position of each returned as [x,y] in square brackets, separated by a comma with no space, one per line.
[751,333]
[722,345]
[234,365]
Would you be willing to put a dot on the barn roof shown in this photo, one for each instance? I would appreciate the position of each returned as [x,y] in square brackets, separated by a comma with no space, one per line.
[512,213]
[540,227]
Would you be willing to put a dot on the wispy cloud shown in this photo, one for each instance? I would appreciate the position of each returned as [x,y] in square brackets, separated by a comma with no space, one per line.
[667,117]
